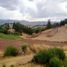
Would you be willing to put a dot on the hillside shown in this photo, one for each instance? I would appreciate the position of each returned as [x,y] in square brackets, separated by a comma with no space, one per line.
[24,22]
[56,34]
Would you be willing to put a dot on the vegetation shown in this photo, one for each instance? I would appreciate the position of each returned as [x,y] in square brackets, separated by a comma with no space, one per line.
[11,51]
[65,62]
[49,25]
[38,29]
[54,25]
[57,52]
[22,28]
[40,57]
[9,36]
[24,48]
[19,28]
[4,28]
[52,57]
[63,22]
[55,62]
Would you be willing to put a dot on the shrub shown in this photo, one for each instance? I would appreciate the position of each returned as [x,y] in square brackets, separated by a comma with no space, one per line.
[45,55]
[55,62]
[10,51]
[24,48]
[40,57]
[58,52]
[49,54]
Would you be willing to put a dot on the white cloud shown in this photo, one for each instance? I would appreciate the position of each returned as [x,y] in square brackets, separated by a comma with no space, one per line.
[33,9]
[63,6]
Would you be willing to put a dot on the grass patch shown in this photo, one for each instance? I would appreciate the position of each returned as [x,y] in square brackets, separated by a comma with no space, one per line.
[9,36]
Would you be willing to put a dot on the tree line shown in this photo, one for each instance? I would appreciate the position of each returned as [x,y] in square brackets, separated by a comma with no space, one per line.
[20,28]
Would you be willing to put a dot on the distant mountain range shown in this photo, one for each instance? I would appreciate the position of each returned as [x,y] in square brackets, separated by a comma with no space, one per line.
[24,22]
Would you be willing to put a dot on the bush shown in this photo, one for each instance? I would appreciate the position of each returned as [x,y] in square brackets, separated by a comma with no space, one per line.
[55,62]
[10,51]
[41,57]
[45,55]
[58,52]
[24,48]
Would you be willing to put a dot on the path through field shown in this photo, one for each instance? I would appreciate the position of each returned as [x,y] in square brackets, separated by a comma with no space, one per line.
[21,60]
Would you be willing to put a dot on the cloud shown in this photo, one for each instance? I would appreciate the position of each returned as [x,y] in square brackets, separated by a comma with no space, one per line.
[7,14]
[9,4]
[33,9]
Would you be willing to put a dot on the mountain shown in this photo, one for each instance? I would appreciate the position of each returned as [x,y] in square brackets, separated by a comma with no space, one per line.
[24,22]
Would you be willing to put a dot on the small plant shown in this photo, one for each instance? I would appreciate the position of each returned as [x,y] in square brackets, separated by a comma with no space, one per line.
[55,62]
[3,65]
[24,48]
[10,51]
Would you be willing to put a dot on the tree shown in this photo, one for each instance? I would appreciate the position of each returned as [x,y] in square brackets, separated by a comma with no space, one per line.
[1,29]
[5,28]
[63,22]
[22,28]
[55,25]
[17,27]
[49,25]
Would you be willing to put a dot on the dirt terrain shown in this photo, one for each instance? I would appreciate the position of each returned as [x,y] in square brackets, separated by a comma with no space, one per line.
[55,34]
[17,43]
[17,61]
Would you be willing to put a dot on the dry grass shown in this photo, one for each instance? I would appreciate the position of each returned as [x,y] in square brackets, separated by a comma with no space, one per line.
[24,61]
[32,65]
[20,60]
[59,34]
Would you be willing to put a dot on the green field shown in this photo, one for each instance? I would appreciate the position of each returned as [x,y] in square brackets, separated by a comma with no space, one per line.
[9,36]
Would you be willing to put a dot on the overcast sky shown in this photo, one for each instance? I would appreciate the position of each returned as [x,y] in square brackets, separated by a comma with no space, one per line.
[33,9]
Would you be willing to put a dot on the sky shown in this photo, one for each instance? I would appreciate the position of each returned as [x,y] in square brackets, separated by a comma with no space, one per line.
[33,10]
